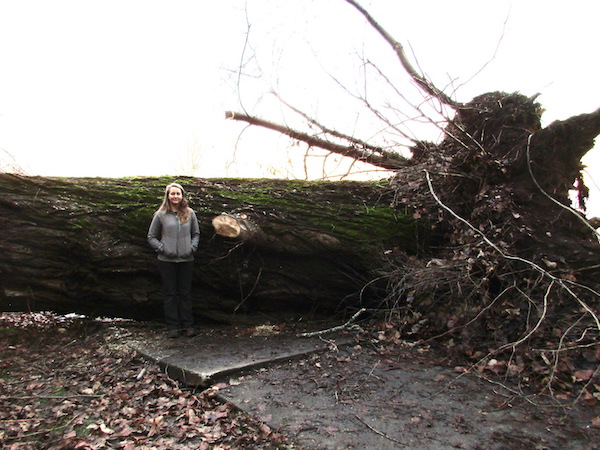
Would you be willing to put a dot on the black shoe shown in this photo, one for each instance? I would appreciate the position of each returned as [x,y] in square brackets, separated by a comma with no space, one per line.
[190,332]
[173,334]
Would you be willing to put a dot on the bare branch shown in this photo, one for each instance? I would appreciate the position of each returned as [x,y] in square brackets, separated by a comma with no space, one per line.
[358,150]
[348,325]
[421,81]
[331,131]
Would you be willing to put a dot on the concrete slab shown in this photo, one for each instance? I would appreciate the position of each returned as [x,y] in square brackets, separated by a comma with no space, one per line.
[215,354]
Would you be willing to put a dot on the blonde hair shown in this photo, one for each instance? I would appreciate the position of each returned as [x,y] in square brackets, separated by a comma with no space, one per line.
[184,210]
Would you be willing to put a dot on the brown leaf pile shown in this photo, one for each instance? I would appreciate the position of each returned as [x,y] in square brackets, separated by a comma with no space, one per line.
[72,384]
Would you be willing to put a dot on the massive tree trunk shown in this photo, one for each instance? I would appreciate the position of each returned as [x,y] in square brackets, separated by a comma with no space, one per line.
[80,245]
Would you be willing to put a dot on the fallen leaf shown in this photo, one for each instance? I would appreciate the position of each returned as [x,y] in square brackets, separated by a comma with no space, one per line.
[105,429]
[584,375]
[588,398]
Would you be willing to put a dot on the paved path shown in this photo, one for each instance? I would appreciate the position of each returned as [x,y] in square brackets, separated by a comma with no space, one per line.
[335,393]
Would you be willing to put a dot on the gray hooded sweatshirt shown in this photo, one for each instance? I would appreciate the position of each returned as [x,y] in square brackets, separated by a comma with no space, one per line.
[172,240]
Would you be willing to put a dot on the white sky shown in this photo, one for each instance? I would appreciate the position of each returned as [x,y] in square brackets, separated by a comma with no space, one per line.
[139,87]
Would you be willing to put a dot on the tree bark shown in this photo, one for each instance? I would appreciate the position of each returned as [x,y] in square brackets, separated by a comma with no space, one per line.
[267,246]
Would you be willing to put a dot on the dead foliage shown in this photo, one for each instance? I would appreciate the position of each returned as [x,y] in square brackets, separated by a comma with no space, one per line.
[73,384]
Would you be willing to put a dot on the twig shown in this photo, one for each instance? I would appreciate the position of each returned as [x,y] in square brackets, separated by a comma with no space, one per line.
[380,433]
[370,375]
[331,344]
[347,325]
[141,374]
[251,290]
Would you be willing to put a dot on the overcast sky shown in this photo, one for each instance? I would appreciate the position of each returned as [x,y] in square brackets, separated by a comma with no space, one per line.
[139,87]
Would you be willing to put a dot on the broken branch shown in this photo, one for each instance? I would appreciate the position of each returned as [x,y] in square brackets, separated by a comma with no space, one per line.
[357,150]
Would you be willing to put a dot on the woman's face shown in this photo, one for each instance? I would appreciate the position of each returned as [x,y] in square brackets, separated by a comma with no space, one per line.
[175,196]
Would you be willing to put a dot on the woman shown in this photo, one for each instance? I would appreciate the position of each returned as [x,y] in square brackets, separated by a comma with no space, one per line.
[174,234]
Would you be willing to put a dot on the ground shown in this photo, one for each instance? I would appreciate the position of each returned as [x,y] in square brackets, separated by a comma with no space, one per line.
[79,384]
[76,384]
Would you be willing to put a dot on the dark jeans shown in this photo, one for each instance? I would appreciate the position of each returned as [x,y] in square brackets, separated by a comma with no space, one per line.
[177,293]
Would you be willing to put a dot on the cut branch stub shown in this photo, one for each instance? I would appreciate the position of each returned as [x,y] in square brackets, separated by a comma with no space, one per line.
[275,237]
[237,226]
[226,226]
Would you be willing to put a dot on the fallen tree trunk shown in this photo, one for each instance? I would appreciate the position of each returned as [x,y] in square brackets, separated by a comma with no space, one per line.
[516,278]
[276,246]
